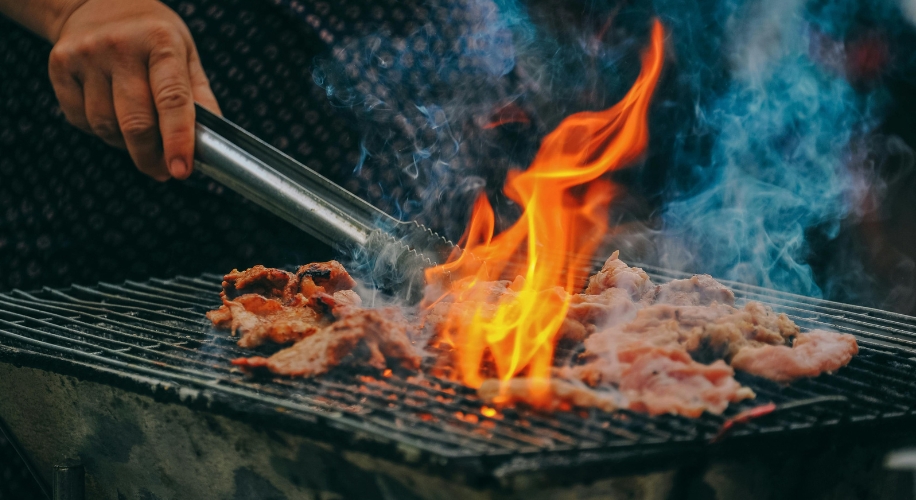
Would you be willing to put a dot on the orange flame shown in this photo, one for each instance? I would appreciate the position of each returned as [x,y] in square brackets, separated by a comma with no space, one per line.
[565,206]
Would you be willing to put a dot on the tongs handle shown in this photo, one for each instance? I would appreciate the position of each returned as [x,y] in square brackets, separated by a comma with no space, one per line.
[285,187]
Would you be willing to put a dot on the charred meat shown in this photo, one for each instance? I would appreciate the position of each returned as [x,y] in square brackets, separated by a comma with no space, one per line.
[316,309]
[263,304]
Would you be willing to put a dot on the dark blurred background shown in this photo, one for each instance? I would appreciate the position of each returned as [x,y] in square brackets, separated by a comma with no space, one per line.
[418,107]
[309,78]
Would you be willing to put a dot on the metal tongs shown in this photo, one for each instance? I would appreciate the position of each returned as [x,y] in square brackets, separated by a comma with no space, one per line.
[396,252]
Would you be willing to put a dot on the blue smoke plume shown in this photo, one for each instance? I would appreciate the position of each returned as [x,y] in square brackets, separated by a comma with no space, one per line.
[780,167]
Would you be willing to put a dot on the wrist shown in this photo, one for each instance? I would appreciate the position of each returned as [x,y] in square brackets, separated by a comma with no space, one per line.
[59,12]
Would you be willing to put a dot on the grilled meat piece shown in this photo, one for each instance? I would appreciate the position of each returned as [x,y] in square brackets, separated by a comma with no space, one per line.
[260,319]
[280,306]
[716,331]
[650,379]
[260,280]
[316,308]
[616,274]
[754,324]
[547,394]
[617,292]
[587,312]
[813,353]
[657,375]
[327,277]
[711,332]
[377,337]
[667,380]
[338,304]
[698,290]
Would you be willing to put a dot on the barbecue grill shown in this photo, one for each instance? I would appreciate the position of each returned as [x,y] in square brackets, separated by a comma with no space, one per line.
[132,380]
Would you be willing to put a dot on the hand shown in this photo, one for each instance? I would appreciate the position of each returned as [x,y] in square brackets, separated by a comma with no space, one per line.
[128,71]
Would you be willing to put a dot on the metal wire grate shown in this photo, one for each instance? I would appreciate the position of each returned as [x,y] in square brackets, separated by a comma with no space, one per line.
[153,336]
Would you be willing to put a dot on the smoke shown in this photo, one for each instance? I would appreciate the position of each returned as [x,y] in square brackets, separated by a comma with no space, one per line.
[763,128]
[908,7]
[421,98]
[782,168]
[778,165]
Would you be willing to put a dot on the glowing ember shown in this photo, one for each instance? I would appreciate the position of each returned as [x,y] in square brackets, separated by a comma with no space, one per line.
[565,204]
[467,417]
[487,411]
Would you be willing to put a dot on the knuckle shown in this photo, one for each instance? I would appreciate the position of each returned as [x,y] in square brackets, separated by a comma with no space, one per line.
[136,125]
[163,35]
[164,55]
[107,129]
[173,95]
[87,47]
[60,57]
[112,43]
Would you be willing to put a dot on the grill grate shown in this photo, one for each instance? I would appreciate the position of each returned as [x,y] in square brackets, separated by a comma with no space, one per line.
[153,335]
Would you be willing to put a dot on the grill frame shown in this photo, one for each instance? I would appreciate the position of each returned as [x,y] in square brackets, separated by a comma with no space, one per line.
[478,460]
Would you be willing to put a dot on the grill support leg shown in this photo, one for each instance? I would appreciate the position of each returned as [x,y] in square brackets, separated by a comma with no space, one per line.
[69,481]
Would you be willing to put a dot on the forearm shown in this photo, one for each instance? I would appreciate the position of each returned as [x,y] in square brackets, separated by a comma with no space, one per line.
[44,17]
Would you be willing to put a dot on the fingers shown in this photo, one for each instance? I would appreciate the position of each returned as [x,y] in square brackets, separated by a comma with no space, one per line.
[68,90]
[170,83]
[100,110]
[135,88]
[134,107]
